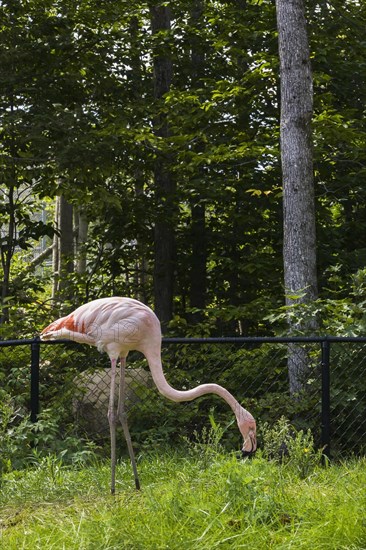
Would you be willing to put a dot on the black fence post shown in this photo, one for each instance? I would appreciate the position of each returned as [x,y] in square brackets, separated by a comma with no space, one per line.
[34,385]
[325,434]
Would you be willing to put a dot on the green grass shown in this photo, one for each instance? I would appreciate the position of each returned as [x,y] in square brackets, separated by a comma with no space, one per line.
[195,502]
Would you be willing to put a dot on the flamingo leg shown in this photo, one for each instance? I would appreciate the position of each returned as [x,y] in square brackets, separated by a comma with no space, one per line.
[112,424]
[122,415]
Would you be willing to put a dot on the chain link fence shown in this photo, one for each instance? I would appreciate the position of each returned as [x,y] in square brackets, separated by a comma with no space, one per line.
[75,379]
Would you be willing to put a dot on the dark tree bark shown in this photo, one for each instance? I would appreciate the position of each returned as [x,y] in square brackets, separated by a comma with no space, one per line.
[165,186]
[198,267]
[198,275]
[81,236]
[7,253]
[299,247]
[141,280]
[66,237]
[56,252]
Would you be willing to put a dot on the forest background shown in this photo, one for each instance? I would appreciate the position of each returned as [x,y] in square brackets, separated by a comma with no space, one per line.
[140,144]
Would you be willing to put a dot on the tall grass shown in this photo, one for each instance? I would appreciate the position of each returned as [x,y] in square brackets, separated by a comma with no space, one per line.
[197,500]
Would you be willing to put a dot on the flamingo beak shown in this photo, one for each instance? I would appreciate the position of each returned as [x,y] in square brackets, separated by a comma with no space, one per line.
[253,445]
[246,454]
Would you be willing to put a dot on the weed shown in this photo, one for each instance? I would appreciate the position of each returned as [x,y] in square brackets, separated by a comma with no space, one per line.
[290,447]
[206,444]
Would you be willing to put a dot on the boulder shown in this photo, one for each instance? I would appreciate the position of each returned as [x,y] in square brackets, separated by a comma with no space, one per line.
[90,404]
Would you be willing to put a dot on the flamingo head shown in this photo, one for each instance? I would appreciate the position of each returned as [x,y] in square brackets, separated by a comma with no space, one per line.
[248,430]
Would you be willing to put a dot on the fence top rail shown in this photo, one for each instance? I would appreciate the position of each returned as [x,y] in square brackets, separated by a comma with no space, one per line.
[21,342]
[212,340]
[265,339]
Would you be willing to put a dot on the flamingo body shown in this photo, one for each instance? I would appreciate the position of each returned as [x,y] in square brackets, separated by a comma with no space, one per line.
[115,325]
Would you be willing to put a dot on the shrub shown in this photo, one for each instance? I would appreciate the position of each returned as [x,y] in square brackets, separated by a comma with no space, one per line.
[23,442]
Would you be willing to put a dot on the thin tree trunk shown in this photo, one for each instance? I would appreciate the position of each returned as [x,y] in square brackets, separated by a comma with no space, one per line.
[81,236]
[299,247]
[66,248]
[7,253]
[56,252]
[165,186]
[8,247]
[141,267]
[198,279]
[67,237]
[141,280]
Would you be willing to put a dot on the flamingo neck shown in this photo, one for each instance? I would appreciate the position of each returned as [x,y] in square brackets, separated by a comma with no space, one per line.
[169,392]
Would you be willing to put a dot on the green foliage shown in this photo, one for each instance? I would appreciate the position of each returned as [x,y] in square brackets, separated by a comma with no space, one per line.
[206,445]
[23,442]
[78,112]
[336,316]
[293,448]
[13,435]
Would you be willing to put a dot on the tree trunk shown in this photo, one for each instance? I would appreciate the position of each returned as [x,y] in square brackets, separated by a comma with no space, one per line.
[198,271]
[66,237]
[198,279]
[56,252]
[63,257]
[299,247]
[7,253]
[81,237]
[141,278]
[165,186]
[141,281]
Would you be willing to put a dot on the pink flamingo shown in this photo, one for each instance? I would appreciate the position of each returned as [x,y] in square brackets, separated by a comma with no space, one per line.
[118,325]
